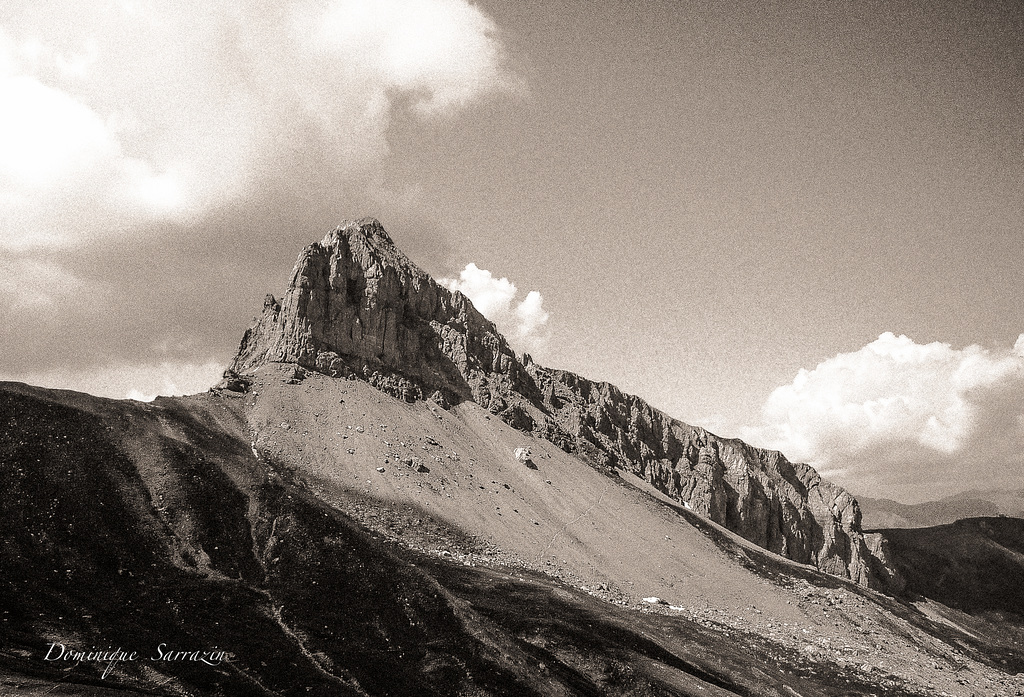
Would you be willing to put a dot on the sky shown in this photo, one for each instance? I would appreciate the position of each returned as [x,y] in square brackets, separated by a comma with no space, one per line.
[795,223]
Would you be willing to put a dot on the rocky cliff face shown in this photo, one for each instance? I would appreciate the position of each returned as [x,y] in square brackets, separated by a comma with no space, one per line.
[356,305]
[781,506]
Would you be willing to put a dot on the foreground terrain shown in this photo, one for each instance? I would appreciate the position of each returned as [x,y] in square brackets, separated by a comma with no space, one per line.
[213,522]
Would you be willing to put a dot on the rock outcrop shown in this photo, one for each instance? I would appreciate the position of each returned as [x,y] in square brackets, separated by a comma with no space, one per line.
[784,507]
[356,305]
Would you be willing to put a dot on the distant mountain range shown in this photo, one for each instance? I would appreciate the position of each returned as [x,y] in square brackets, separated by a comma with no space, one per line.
[884,513]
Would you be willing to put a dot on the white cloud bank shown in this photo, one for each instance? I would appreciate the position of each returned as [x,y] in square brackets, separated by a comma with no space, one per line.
[905,420]
[123,381]
[118,113]
[523,322]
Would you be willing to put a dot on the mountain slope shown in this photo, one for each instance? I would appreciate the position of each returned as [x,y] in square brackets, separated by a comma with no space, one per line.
[883,513]
[141,525]
[132,525]
[976,565]
[382,498]
[356,306]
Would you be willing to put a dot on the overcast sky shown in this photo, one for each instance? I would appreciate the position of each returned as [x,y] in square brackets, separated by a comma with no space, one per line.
[800,224]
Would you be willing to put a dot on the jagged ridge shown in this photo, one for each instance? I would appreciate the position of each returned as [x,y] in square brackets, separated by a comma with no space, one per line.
[356,305]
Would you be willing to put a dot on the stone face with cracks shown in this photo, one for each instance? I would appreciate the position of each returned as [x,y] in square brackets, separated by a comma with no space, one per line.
[356,305]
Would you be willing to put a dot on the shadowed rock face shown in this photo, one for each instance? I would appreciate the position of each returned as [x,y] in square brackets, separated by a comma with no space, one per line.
[356,305]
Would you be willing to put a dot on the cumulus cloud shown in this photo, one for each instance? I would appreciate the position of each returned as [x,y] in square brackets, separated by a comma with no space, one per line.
[142,382]
[442,51]
[905,420]
[522,322]
[116,114]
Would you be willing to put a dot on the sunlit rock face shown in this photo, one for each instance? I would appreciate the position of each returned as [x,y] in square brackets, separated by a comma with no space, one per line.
[357,306]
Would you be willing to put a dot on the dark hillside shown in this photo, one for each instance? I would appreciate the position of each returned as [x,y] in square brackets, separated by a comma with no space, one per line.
[134,525]
[975,565]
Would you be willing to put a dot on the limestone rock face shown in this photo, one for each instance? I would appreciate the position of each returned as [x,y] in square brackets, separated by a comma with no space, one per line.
[784,507]
[882,567]
[356,305]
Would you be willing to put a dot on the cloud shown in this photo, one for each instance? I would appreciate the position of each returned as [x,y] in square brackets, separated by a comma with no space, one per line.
[143,382]
[442,51]
[159,161]
[115,115]
[905,420]
[523,322]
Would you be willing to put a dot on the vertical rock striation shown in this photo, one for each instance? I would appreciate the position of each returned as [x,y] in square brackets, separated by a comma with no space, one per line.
[784,507]
[356,305]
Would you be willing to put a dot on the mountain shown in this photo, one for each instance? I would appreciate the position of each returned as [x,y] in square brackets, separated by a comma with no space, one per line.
[975,565]
[355,305]
[884,513]
[382,498]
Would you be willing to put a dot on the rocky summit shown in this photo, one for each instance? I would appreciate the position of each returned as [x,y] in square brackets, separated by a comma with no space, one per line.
[357,306]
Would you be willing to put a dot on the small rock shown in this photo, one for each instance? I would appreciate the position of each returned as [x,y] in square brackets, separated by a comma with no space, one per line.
[523,455]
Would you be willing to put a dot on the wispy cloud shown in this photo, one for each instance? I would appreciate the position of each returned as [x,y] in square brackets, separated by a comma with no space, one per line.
[523,322]
[905,420]
[38,285]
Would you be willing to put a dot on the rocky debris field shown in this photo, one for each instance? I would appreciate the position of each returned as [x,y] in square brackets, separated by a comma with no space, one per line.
[218,518]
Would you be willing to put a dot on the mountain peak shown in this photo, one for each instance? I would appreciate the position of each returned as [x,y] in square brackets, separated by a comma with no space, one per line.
[367,231]
[372,244]
[356,304]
